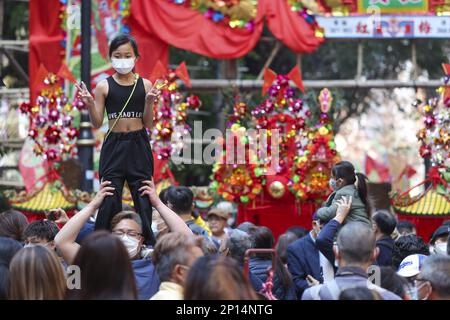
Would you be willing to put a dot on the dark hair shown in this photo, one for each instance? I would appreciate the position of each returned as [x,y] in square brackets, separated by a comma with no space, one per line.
[215,277]
[448,246]
[385,221]
[106,272]
[12,224]
[262,238]
[391,281]
[122,39]
[163,195]
[346,171]
[181,199]
[284,241]
[405,226]
[8,248]
[408,245]
[245,226]
[299,232]
[41,229]
[359,293]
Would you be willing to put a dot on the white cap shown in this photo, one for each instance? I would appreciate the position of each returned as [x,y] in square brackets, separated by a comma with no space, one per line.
[411,265]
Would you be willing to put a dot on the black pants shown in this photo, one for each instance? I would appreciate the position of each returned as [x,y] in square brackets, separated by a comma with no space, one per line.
[126,156]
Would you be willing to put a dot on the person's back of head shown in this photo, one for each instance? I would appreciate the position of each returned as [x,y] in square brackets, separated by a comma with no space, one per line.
[41,230]
[180,199]
[163,195]
[405,227]
[36,274]
[392,282]
[12,224]
[106,271]
[217,278]
[359,293]
[237,243]
[245,226]
[436,274]
[385,222]
[298,231]
[284,241]
[8,248]
[406,246]
[173,254]
[355,244]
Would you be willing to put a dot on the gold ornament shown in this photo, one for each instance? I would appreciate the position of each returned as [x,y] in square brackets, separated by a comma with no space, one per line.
[277,189]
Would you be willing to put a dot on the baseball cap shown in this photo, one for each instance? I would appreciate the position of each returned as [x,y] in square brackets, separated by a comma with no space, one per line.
[441,231]
[218,212]
[411,265]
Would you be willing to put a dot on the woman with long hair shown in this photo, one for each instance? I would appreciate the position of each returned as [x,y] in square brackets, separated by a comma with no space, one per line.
[105,268]
[36,274]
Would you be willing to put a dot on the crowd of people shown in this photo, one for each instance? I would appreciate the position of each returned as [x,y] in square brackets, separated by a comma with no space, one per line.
[349,253]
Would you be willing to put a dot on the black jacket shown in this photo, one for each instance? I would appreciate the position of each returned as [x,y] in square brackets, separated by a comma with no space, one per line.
[385,246]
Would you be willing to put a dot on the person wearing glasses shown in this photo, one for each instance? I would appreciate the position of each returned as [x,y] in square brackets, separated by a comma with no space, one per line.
[433,282]
[127,226]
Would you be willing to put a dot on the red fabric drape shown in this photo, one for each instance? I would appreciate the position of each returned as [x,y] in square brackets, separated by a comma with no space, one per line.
[289,28]
[188,29]
[45,38]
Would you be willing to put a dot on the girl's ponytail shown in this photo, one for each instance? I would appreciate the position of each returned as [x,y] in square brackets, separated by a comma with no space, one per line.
[361,185]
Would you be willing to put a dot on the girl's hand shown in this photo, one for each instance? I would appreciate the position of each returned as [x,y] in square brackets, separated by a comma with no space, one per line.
[155,91]
[104,192]
[85,95]
[149,190]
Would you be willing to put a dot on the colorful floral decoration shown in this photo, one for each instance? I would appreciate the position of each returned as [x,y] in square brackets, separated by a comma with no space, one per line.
[170,116]
[311,170]
[234,13]
[232,180]
[286,113]
[51,121]
[307,9]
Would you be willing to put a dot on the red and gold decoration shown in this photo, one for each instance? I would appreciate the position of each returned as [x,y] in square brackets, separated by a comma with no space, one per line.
[171,112]
[51,121]
[429,208]
[232,180]
[307,9]
[234,13]
[311,170]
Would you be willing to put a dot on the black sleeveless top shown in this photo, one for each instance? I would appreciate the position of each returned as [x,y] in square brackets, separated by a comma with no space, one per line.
[118,95]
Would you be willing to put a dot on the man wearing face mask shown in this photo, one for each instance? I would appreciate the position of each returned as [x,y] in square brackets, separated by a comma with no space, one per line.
[433,282]
[438,241]
[128,226]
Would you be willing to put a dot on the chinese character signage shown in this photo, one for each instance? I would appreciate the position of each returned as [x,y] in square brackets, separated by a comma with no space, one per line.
[393,6]
[386,27]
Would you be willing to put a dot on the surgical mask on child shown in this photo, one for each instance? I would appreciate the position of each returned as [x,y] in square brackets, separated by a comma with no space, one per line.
[333,184]
[131,244]
[439,248]
[122,66]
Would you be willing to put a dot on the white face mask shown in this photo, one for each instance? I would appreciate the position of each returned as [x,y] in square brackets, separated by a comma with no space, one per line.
[122,66]
[439,248]
[131,244]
